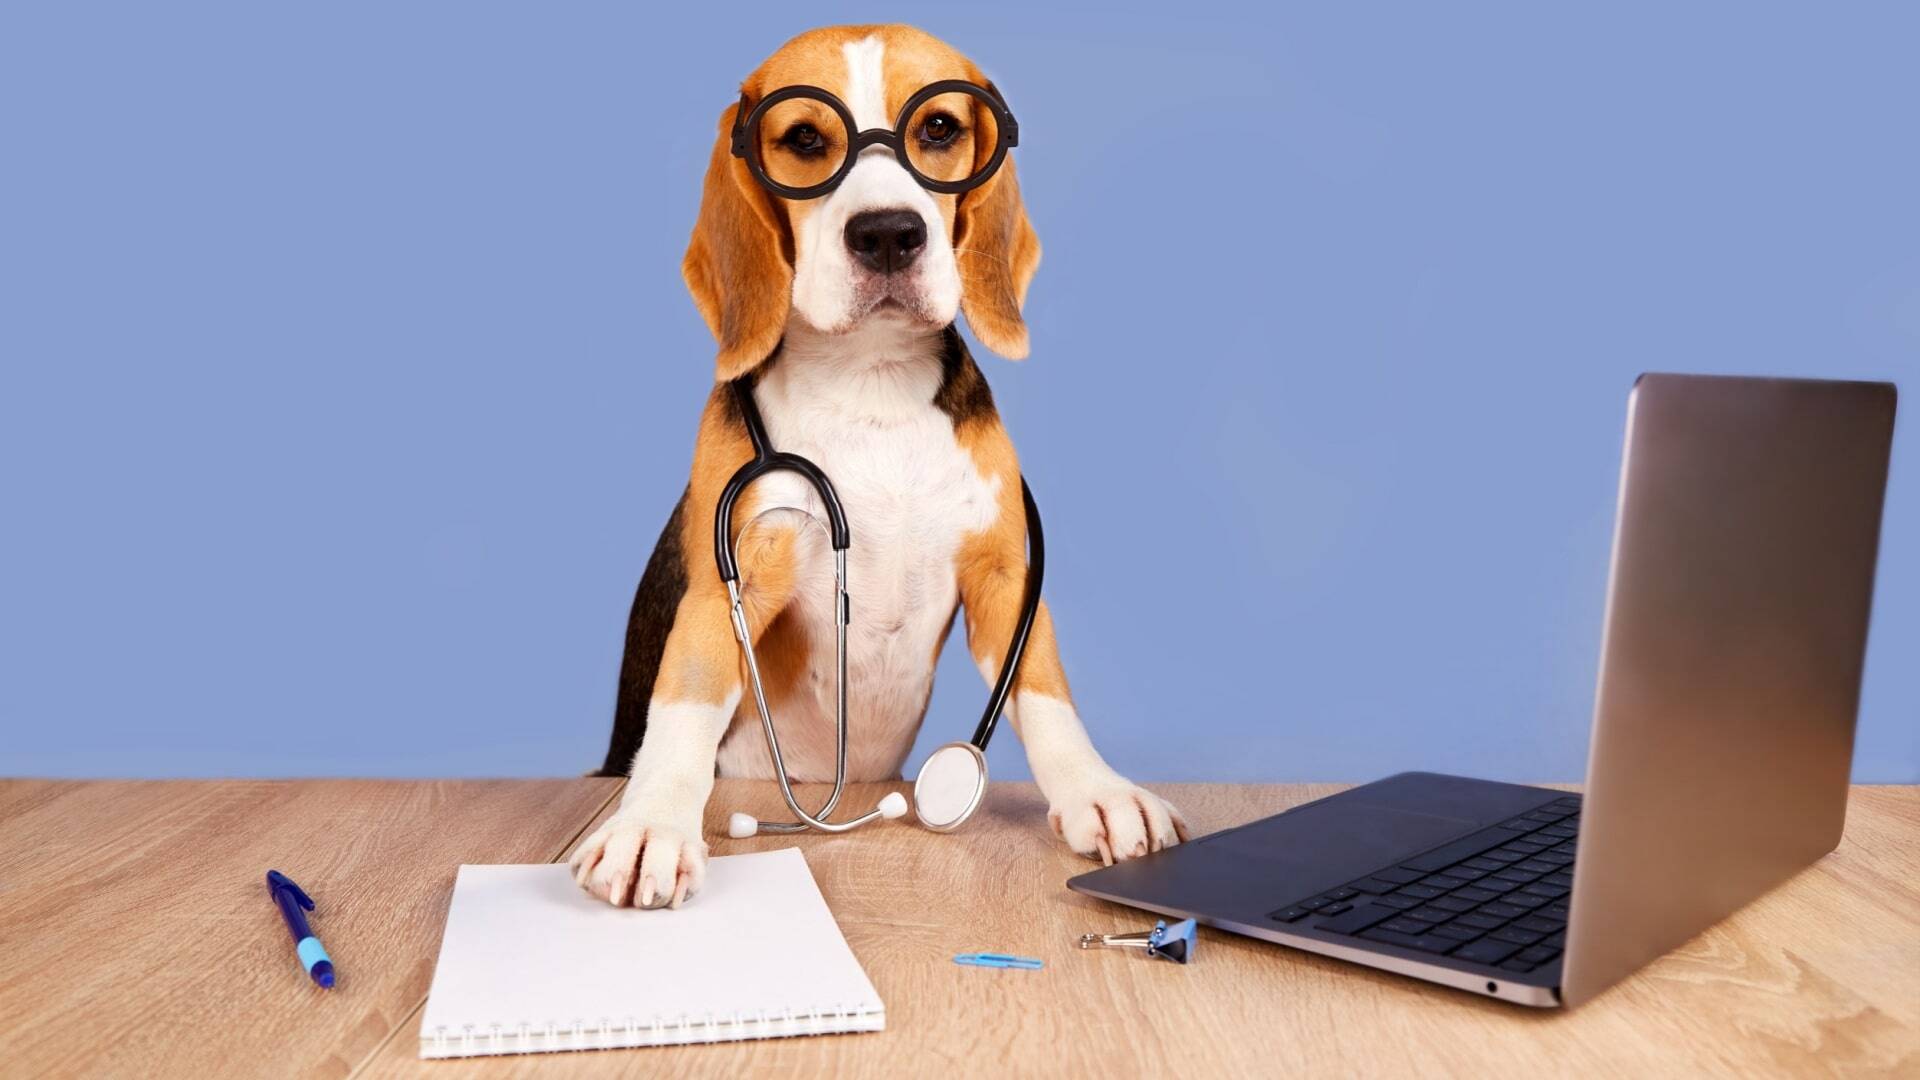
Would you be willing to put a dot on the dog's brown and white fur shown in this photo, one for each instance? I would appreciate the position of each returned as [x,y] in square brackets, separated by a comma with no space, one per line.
[860,371]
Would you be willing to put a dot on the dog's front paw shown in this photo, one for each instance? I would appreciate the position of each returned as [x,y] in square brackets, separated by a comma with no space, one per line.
[1115,820]
[632,860]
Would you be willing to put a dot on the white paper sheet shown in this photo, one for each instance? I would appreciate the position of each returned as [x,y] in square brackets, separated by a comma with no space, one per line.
[530,962]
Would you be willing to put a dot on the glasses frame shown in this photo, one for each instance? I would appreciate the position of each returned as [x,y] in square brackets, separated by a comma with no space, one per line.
[746,129]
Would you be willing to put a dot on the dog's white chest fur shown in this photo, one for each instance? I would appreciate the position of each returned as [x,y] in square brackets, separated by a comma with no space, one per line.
[864,413]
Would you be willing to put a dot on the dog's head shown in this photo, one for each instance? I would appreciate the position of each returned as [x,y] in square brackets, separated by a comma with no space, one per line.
[854,239]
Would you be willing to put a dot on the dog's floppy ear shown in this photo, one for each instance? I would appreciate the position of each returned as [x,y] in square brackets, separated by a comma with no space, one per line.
[997,252]
[737,266]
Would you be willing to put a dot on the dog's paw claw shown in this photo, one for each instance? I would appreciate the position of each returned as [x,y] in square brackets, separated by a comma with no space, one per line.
[1115,822]
[625,860]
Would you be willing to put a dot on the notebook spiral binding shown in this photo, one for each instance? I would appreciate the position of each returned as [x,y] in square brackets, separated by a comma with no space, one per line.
[605,1033]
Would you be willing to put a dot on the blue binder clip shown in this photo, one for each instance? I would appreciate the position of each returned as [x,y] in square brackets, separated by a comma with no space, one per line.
[1173,943]
[998,960]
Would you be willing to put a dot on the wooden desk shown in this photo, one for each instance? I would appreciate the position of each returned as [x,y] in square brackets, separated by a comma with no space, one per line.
[135,939]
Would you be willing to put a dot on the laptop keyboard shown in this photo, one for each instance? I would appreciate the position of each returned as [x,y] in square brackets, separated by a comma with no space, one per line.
[1497,897]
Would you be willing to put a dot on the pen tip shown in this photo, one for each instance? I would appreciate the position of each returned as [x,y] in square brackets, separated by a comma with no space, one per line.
[323,974]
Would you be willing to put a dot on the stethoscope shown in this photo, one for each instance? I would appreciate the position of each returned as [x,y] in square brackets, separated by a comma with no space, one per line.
[954,778]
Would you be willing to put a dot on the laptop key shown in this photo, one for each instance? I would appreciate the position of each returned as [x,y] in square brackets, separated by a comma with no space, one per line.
[1424,892]
[1464,848]
[1404,925]
[1292,914]
[1486,951]
[1316,903]
[1540,924]
[1535,866]
[1517,965]
[1494,885]
[1431,914]
[1562,878]
[1401,903]
[1336,908]
[1523,877]
[1525,900]
[1432,943]
[1481,862]
[1373,885]
[1475,894]
[1541,888]
[1479,920]
[1400,875]
[1501,910]
[1455,903]
[1343,894]
[1442,881]
[1515,935]
[1358,919]
[1538,954]
[1503,856]
[1465,872]
[1457,932]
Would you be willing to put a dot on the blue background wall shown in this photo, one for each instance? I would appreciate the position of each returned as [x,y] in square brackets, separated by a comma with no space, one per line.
[348,375]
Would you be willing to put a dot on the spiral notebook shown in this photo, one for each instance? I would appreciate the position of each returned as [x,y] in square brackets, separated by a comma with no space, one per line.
[530,963]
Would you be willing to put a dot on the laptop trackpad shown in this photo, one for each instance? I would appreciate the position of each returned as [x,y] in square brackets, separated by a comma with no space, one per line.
[1335,840]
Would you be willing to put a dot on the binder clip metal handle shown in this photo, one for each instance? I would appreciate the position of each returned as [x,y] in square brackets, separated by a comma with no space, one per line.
[1173,943]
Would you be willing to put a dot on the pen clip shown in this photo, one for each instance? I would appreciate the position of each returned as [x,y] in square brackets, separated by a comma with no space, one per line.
[277,881]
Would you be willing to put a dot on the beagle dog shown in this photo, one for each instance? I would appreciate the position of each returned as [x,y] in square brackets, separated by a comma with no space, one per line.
[838,308]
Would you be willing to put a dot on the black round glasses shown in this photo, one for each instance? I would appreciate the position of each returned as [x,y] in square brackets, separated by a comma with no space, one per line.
[801,141]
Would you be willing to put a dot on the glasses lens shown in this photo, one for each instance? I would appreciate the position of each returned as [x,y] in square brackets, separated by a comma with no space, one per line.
[951,137]
[801,142]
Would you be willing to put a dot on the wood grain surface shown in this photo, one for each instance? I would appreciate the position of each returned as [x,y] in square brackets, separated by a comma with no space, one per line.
[135,939]
[1822,976]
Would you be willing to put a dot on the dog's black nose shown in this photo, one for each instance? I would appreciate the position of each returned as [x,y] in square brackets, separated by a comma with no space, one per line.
[886,240]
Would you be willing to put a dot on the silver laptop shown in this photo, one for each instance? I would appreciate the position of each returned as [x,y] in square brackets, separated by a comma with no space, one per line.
[1730,664]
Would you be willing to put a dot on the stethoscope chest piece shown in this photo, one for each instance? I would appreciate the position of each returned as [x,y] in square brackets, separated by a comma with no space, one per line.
[950,786]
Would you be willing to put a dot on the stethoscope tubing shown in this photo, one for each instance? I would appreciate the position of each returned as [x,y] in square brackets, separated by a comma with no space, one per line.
[1029,607]
[761,465]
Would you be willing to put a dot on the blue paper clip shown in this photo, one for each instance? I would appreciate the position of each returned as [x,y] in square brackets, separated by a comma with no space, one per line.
[998,960]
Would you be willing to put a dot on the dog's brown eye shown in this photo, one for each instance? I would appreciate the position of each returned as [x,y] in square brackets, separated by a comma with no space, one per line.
[939,129]
[804,139]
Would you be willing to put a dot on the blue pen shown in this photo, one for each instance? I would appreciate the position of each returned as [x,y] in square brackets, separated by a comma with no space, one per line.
[291,900]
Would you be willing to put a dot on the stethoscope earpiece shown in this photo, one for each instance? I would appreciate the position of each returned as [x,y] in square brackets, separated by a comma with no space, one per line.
[740,826]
